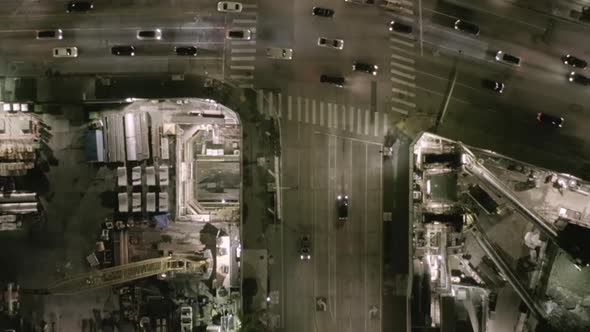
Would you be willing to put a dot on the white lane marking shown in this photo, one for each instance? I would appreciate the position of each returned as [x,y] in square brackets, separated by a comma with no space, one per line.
[399,65]
[241,67]
[403,102]
[329,115]
[402,42]
[367,119]
[412,85]
[260,101]
[243,58]
[351,118]
[402,74]
[279,104]
[376,124]
[248,6]
[335,110]
[246,86]
[343,117]
[358,118]
[403,92]
[321,113]
[313,110]
[271,110]
[403,50]
[399,110]
[289,108]
[244,21]
[306,110]
[385,124]
[403,35]
[242,77]
[243,50]
[243,42]
[404,59]
[298,109]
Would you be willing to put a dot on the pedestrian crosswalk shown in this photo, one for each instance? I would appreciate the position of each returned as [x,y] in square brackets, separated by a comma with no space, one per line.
[242,53]
[299,109]
[402,63]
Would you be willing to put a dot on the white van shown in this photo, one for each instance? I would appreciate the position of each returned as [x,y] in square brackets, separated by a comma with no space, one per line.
[65,52]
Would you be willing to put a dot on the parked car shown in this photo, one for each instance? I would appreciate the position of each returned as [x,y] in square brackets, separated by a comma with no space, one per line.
[507,58]
[186,50]
[79,6]
[331,43]
[550,120]
[50,34]
[578,78]
[65,52]
[123,50]
[229,7]
[155,34]
[573,61]
[239,34]
[494,85]
[305,248]
[467,27]
[342,207]
[365,68]
[322,12]
[334,80]
[279,53]
[400,27]
[186,319]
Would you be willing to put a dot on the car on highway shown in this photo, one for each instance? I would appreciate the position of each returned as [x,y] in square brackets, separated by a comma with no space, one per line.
[331,43]
[65,52]
[185,50]
[239,34]
[322,12]
[494,85]
[305,248]
[342,207]
[334,80]
[123,50]
[279,53]
[573,61]
[578,78]
[50,34]
[507,58]
[155,34]
[229,7]
[364,67]
[466,27]
[79,6]
[396,26]
[549,120]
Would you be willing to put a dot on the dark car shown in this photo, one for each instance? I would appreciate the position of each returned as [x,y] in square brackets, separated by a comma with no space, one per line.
[79,6]
[365,68]
[123,50]
[335,80]
[342,207]
[305,248]
[494,85]
[50,34]
[466,27]
[186,50]
[573,61]
[322,12]
[550,120]
[578,78]
[400,27]
[585,15]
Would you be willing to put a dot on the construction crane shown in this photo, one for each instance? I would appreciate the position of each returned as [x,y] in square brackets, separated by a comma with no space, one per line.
[129,272]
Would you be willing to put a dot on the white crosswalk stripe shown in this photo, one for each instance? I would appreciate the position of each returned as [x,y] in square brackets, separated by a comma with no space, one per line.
[402,63]
[242,52]
[329,115]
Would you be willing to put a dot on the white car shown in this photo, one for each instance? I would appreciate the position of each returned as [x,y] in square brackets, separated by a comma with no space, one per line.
[65,52]
[331,43]
[279,53]
[186,319]
[155,34]
[239,34]
[229,7]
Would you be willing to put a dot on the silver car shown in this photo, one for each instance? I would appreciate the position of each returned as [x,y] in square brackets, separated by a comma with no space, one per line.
[331,43]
